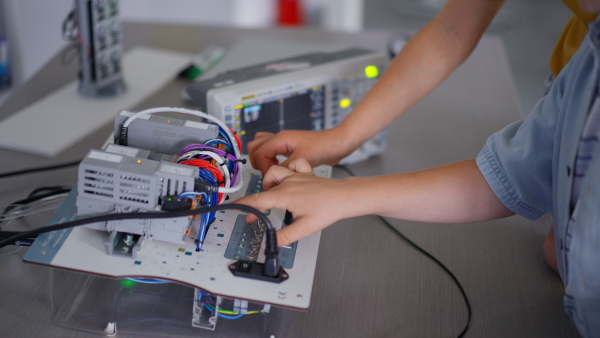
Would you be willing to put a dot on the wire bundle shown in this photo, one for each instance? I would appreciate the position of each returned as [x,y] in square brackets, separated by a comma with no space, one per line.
[218,161]
[217,167]
[226,134]
[209,303]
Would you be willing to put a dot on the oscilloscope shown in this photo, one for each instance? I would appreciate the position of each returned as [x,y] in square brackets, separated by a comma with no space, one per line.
[308,92]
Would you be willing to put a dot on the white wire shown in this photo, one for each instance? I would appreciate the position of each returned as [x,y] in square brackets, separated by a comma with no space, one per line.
[188,155]
[236,150]
[224,169]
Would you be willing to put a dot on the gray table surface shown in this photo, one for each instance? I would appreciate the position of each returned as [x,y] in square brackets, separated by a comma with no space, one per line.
[368,282]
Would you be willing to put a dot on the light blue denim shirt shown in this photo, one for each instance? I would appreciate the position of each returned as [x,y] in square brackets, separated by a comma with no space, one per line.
[530,167]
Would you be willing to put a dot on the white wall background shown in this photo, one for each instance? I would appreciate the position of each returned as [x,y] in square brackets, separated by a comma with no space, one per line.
[33,27]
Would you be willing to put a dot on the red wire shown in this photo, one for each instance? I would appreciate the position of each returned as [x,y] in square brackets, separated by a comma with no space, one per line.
[203,164]
[237,138]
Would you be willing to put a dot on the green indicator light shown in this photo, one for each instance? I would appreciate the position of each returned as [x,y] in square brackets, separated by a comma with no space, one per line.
[371,72]
[126,283]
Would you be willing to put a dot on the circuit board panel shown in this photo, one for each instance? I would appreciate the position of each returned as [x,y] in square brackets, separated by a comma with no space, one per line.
[82,249]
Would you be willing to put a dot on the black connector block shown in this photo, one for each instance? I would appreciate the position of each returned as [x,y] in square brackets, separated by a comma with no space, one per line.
[254,270]
[123,134]
[172,203]
[205,187]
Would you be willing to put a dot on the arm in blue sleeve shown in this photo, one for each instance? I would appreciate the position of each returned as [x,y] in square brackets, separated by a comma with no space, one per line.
[517,161]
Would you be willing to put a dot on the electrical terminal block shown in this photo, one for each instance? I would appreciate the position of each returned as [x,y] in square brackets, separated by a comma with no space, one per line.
[163,134]
[256,242]
[123,244]
[100,39]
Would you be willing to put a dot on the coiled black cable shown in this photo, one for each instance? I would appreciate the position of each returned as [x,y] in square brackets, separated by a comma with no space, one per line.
[428,255]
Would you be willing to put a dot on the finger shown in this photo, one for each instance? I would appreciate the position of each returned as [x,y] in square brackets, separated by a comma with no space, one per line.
[288,161]
[275,176]
[299,229]
[261,201]
[251,218]
[259,139]
[265,155]
[300,165]
[250,201]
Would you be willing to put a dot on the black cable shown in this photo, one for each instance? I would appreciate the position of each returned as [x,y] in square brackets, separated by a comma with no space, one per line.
[138,215]
[34,170]
[34,196]
[21,242]
[69,26]
[428,255]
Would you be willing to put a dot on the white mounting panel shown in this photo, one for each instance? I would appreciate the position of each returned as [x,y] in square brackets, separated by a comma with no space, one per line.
[82,249]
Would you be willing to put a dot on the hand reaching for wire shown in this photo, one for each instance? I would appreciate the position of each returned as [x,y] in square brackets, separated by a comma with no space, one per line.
[313,201]
[317,147]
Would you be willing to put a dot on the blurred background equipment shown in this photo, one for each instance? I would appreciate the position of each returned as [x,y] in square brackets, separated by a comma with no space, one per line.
[95,28]
[5,79]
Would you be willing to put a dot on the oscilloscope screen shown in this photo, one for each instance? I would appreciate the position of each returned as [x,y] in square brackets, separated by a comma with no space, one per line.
[301,110]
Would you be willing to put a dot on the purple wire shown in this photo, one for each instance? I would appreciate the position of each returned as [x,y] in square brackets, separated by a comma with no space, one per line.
[199,146]
[219,152]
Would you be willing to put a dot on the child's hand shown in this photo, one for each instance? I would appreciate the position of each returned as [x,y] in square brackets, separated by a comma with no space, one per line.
[314,202]
[317,147]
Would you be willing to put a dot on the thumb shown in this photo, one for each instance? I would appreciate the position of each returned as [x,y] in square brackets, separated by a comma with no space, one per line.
[300,165]
[301,228]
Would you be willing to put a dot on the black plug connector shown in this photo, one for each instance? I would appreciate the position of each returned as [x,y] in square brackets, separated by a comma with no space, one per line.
[269,271]
[123,134]
[172,203]
[271,267]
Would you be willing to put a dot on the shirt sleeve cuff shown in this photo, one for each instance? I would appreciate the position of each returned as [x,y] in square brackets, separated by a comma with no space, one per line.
[501,185]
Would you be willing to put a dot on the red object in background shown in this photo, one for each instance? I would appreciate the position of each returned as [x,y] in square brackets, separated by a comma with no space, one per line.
[290,13]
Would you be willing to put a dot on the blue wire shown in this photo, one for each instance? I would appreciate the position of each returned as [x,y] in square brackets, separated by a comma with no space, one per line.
[148,281]
[212,310]
[192,194]
[208,143]
[212,199]
[226,138]
[229,317]
[204,219]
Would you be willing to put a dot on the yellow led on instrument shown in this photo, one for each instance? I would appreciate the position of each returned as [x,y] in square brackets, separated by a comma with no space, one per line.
[345,103]
[371,71]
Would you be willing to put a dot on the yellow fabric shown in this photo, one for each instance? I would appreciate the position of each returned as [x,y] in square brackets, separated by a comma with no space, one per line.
[571,37]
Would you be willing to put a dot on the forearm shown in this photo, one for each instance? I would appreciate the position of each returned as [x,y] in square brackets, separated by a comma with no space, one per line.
[426,60]
[453,193]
